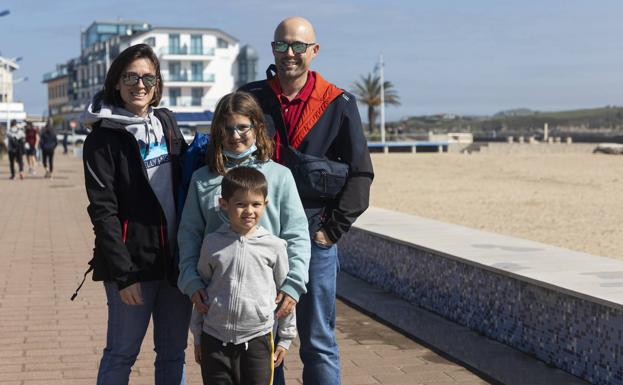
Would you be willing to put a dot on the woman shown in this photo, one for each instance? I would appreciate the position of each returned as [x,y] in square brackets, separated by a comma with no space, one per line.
[239,137]
[130,159]
[48,142]
[15,147]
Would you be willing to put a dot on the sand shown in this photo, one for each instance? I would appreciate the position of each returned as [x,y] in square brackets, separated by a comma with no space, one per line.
[570,200]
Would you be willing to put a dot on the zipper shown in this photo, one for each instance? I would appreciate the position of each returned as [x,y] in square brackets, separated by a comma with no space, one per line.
[323,174]
[125,230]
[240,271]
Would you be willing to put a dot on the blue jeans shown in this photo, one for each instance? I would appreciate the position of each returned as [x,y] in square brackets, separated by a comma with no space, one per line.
[127,326]
[315,320]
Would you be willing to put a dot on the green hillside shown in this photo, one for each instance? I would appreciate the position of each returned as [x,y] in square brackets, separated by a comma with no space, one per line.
[523,121]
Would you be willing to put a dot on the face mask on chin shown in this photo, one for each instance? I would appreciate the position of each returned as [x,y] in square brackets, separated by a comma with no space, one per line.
[242,155]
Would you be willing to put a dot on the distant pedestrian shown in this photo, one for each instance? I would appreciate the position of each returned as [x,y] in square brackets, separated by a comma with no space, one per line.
[32,142]
[16,138]
[48,143]
[65,140]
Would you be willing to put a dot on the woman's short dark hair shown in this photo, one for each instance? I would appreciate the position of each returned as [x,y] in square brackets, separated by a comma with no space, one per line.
[118,66]
[245,179]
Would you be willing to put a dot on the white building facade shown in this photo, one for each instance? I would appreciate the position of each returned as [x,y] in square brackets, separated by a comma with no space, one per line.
[9,109]
[198,66]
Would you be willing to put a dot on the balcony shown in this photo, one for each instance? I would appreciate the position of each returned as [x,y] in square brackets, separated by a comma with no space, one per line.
[181,101]
[186,78]
[187,53]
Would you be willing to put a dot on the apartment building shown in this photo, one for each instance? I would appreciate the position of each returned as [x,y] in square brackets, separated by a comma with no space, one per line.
[198,67]
[9,109]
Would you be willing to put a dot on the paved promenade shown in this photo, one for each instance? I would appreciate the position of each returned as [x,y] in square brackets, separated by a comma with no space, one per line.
[45,242]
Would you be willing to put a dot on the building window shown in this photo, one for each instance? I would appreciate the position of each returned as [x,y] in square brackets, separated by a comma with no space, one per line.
[196,44]
[174,43]
[197,95]
[197,71]
[175,71]
[174,95]
[222,43]
[150,41]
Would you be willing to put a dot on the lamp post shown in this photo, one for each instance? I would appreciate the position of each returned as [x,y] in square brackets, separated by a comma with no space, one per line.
[381,65]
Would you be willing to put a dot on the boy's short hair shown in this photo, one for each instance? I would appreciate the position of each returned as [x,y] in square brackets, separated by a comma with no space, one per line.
[243,178]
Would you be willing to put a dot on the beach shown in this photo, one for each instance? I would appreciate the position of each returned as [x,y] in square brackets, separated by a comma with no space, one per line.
[569,200]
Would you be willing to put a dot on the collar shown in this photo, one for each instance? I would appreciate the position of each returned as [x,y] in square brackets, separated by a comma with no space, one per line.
[303,94]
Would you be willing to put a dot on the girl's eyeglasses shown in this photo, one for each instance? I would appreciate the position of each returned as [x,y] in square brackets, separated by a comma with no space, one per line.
[240,129]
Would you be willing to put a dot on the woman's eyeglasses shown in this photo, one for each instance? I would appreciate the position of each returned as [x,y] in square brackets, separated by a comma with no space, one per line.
[131,79]
[240,129]
[297,46]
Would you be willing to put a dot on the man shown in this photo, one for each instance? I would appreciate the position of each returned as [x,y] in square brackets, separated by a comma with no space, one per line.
[311,117]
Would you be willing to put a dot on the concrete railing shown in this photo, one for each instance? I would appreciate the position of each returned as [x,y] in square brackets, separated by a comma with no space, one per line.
[560,306]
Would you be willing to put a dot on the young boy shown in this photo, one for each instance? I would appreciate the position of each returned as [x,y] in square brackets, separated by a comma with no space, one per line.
[242,265]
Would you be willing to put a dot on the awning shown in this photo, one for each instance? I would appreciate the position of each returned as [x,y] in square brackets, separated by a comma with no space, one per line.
[194,118]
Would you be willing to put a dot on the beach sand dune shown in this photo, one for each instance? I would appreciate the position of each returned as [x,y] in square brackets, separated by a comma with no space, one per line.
[569,200]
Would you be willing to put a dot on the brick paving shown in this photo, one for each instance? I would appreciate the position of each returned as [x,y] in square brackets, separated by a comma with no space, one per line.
[45,339]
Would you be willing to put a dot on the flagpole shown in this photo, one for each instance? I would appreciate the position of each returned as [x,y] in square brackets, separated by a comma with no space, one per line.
[382,99]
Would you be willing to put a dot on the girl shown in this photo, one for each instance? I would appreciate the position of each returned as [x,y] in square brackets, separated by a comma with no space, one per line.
[239,138]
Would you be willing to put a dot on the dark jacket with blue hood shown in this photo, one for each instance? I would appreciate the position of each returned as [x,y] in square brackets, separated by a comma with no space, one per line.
[131,242]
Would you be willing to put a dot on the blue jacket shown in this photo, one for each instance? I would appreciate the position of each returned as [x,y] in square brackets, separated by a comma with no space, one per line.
[329,127]
[284,217]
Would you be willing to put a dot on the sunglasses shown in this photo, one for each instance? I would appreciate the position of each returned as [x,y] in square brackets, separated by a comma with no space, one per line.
[240,129]
[297,46]
[131,79]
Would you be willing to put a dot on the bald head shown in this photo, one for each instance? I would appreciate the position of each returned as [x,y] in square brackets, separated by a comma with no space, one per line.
[295,26]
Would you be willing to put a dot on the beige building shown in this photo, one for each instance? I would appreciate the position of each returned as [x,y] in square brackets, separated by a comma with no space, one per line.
[58,98]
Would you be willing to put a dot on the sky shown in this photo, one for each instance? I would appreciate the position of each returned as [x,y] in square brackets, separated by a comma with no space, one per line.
[473,57]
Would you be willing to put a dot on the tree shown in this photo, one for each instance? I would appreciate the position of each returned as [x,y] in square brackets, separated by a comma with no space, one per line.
[368,92]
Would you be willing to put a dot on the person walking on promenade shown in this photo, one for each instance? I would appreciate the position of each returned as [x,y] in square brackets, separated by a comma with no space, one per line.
[130,164]
[48,143]
[15,137]
[319,135]
[238,137]
[243,265]
[65,141]
[32,143]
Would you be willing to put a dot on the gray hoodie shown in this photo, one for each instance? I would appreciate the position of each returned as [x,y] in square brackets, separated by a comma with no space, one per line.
[242,275]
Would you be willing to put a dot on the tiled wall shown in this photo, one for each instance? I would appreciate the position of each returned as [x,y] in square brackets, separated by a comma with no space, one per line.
[578,336]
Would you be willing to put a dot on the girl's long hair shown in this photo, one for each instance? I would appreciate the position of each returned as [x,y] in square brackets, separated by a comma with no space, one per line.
[239,103]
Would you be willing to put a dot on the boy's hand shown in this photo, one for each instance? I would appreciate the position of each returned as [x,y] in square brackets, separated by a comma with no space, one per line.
[280,355]
[287,304]
[198,354]
[198,298]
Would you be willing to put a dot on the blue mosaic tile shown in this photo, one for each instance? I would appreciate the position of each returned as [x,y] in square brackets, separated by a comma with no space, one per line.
[575,335]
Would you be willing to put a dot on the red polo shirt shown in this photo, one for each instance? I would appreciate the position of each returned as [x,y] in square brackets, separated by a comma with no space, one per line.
[291,110]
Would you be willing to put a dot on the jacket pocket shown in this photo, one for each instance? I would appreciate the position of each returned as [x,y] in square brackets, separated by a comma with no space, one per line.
[252,317]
